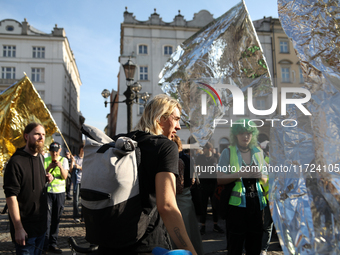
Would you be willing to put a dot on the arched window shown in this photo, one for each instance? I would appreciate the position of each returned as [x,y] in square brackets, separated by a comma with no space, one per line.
[10,28]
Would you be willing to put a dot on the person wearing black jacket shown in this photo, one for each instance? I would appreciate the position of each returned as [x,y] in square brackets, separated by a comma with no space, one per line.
[25,190]
[208,186]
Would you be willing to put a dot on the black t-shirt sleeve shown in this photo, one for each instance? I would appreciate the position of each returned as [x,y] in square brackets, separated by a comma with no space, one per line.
[168,158]
[12,180]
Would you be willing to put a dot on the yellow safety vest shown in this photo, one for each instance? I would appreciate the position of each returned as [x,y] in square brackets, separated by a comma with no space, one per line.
[236,193]
[58,184]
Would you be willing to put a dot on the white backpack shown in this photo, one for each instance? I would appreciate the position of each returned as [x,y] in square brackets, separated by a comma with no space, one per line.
[110,196]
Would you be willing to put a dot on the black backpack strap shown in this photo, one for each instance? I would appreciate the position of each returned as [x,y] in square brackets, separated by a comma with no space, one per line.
[138,156]
[5,209]
[42,160]
[105,147]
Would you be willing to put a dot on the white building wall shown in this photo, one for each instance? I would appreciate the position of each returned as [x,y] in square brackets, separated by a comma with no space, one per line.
[155,34]
[60,72]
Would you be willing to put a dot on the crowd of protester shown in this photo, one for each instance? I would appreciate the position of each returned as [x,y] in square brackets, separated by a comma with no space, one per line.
[240,197]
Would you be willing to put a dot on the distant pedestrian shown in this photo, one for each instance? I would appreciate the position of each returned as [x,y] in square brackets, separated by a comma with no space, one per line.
[25,190]
[58,167]
[208,184]
[77,169]
[68,181]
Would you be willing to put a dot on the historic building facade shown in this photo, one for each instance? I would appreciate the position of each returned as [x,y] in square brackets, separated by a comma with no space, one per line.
[281,57]
[48,61]
[150,43]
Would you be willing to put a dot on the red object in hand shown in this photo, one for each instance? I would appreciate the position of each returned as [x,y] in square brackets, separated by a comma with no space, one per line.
[54,161]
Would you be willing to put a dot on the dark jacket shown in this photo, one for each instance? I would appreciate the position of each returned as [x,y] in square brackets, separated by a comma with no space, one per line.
[25,178]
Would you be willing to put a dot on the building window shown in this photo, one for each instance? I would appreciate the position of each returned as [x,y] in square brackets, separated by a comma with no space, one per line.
[38,52]
[140,106]
[9,51]
[143,49]
[8,72]
[167,50]
[261,104]
[143,73]
[285,74]
[38,74]
[284,47]
[302,80]
[10,28]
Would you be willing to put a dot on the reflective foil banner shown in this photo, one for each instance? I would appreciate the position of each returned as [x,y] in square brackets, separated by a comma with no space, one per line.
[223,57]
[20,105]
[306,206]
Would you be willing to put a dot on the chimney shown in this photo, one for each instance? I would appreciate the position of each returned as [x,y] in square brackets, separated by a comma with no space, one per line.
[25,26]
[58,31]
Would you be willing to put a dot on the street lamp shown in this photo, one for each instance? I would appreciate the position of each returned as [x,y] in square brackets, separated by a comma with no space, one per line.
[131,93]
[129,70]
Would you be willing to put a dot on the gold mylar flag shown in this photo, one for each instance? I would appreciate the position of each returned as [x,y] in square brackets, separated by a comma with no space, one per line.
[20,105]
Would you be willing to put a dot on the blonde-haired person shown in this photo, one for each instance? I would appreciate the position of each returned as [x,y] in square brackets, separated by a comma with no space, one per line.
[157,172]
[160,107]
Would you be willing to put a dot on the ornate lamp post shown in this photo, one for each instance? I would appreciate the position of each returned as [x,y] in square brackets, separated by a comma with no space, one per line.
[131,92]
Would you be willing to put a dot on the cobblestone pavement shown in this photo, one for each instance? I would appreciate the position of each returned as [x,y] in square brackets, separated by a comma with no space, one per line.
[66,228]
[213,243]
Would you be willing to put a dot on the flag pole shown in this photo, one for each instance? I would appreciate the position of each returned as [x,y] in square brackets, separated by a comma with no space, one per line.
[59,131]
[65,141]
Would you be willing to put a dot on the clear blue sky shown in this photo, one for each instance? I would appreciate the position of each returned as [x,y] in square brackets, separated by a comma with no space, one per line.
[93,30]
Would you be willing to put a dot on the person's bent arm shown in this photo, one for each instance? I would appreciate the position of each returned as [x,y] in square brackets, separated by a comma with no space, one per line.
[72,163]
[168,210]
[63,171]
[13,208]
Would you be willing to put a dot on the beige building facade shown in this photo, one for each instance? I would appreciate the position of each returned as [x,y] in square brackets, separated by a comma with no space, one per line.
[285,65]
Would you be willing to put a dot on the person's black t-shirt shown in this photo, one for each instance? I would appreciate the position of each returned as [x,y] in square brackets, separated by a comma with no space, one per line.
[158,154]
